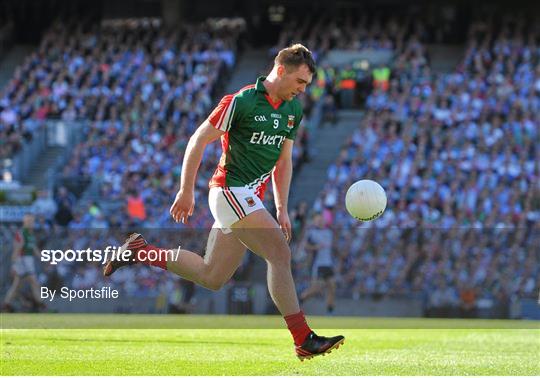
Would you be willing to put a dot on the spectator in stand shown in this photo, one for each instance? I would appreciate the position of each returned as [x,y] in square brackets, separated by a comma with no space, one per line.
[135,207]
[64,204]
[44,205]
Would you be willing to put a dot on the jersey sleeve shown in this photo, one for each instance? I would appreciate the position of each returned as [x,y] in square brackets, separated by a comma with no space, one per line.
[225,113]
[294,131]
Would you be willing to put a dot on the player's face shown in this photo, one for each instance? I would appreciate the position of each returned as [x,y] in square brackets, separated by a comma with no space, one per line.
[294,81]
[28,221]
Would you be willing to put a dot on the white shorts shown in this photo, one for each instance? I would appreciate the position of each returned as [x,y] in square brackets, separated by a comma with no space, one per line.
[230,204]
[24,266]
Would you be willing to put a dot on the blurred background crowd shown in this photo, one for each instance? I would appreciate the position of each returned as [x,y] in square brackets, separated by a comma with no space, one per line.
[458,156]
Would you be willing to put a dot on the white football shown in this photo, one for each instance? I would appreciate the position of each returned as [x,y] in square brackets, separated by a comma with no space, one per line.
[365,200]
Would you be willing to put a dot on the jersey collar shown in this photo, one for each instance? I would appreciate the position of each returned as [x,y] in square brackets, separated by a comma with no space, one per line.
[261,88]
[259,85]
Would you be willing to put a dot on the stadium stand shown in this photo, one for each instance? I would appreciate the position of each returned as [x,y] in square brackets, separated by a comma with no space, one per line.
[456,152]
[144,90]
[457,156]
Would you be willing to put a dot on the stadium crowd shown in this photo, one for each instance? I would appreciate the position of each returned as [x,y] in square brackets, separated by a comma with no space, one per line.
[457,153]
[458,156]
[391,32]
[143,88]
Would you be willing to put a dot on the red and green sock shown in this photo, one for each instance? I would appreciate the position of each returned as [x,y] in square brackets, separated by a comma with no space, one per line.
[142,255]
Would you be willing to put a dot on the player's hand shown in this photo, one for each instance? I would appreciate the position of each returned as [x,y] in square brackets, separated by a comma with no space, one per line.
[183,206]
[285,224]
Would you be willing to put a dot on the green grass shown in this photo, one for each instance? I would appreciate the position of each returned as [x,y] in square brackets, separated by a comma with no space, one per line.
[382,347]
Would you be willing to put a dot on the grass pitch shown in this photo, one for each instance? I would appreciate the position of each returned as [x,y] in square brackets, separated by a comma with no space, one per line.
[260,345]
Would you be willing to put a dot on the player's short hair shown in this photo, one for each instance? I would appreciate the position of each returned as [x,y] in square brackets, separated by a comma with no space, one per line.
[295,56]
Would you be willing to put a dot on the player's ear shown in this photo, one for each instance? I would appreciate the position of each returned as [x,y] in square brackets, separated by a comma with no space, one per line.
[280,70]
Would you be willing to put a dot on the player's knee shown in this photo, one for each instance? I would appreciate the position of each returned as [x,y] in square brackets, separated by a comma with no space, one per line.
[214,284]
[281,256]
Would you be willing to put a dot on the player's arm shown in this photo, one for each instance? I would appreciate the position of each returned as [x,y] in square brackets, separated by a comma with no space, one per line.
[17,246]
[184,202]
[37,250]
[281,181]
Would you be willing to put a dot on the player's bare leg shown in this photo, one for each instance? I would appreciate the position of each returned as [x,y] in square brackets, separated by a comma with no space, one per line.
[34,285]
[224,253]
[315,288]
[260,233]
[331,295]
[14,288]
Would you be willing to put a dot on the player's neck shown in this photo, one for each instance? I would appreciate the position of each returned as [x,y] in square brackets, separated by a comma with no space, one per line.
[270,85]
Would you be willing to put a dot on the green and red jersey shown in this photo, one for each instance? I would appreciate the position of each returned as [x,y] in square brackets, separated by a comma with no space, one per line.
[255,130]
[27,240]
